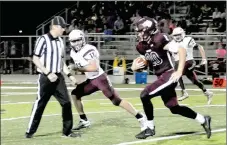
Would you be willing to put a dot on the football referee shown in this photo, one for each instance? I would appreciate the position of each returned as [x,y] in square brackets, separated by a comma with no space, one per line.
[49,59]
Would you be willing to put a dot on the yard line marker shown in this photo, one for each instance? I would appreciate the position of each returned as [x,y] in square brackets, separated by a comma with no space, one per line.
[98,112]
[168,137]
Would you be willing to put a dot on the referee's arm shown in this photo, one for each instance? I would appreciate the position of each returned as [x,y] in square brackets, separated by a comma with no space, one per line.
[67,71]
[37,53]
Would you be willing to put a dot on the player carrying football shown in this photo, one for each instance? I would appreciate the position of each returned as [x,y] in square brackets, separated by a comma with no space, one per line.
[153,45]
[86,59]
[189,44]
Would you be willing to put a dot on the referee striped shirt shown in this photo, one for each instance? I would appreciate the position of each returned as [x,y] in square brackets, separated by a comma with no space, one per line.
[51,52]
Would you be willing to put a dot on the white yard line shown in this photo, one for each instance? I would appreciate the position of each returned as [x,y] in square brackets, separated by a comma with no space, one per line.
[125,89]
[57,101]
[99,112]
[26,93]
[167,137]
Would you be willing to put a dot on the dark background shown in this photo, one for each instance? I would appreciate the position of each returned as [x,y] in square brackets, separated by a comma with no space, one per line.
[26,16]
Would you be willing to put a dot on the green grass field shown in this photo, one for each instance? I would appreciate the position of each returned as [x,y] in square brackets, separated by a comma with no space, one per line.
[110,124]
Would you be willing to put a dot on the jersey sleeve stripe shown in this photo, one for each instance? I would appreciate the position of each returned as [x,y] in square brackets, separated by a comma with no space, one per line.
[190,41]
[39,46]
[88,52]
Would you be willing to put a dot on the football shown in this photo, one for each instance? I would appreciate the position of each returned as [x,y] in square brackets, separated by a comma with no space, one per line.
[141,59]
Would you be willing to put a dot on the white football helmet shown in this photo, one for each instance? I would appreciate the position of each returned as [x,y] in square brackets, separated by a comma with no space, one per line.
[178,34]
[77,39]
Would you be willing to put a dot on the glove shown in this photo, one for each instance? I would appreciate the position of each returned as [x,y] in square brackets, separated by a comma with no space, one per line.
[136,65]
[72,67]
[52,77]
[203,62]
[73,79]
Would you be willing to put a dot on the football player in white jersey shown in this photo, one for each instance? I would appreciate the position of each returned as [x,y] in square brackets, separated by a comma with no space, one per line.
[189,43]
[86,59]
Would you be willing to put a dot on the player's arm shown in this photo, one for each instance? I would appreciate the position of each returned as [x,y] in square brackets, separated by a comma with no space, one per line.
[90,67]
[193,44]
[182,59]
[89,61]
[39,46]
[65,67]
[135,65]
[201,50]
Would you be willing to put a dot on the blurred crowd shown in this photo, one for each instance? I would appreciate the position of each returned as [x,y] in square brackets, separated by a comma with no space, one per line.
[115,17]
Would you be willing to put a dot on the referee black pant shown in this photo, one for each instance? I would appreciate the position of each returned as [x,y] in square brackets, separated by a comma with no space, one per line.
[45,90]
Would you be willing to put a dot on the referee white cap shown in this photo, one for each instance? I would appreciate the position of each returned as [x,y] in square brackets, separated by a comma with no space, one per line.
[58,20]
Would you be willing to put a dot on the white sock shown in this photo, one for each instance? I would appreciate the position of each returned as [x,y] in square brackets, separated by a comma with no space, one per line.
[200,118]
[150,124]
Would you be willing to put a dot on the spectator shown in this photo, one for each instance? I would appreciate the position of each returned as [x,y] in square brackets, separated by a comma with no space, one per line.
[110,20]
[216,17]
[119,26]
[209,29]
[13,53]
[13,49]
[221,52]
[164,26]
[107,31]
[172,25]
[71,27]
[193,27]
[205,11]
[223,14]
[182,23]
[195,11]
[222,26]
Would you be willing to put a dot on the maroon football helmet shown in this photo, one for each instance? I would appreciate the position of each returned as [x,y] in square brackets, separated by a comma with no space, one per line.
[146,27]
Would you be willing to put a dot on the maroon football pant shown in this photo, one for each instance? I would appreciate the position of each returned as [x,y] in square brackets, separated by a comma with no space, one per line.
[165,88]
[101,83]
[191,75]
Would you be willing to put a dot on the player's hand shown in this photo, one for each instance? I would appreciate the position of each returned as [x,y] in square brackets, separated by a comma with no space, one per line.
[73,79]
[176,76]
[52,77]
[72,67]
[136,65]
[203,62]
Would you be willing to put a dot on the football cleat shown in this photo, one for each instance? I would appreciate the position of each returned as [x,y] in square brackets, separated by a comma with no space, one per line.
[184,96]
[206,125]
[72,135]
[82,124]
[209,96]
[28,135]
[146,133]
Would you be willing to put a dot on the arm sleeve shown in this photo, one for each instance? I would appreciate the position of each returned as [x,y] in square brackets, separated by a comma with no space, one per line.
[141,46]
[39,45]
[62,48]
[192,43]
[91,54]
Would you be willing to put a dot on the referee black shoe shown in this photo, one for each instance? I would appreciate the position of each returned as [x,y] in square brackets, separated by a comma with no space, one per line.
[72,135]
[206,125]
[28,135]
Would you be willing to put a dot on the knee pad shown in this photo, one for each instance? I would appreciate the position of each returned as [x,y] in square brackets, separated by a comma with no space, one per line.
[144,95]
[115,100]
[175,109]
